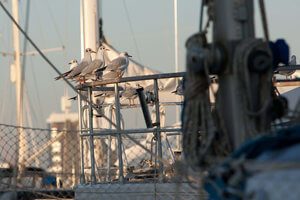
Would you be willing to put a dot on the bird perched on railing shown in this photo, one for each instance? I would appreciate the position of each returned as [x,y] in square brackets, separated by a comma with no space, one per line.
[289,73]
[129,93]
[99,62]
[179,88]
[73,63]
[115,69]
[86,60]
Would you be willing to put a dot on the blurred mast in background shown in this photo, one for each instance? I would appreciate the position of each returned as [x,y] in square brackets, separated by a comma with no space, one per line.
[178,140]
[89,35]
[18,79]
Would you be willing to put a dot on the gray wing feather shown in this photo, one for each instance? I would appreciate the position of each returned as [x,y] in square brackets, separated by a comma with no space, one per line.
[77,70]
[116,63]
[111,75]
[92,67]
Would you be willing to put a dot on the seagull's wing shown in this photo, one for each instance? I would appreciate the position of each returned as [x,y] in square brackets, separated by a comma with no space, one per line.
[77,70]
[116,63]
[111,75]
[63,75]
[91,67]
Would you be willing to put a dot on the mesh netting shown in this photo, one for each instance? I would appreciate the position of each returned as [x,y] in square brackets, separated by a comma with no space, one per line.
[47,164]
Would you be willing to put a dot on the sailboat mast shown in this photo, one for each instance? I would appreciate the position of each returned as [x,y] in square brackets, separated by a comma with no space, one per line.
[176,35]
[17,63]
[19,84]
[227,29]
[178,138]
[89,29]
[89,25]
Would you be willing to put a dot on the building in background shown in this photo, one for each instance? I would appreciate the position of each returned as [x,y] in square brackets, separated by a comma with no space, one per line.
[65,148]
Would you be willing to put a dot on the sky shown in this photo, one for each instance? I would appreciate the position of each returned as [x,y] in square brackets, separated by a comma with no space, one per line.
[55,23]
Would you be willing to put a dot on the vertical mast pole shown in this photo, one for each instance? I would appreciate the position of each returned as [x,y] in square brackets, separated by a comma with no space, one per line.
[233,22]
[21,151]
[89,25]
[89,32]
[176,35]
[176,65]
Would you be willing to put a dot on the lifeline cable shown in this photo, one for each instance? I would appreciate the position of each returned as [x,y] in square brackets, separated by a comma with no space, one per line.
[49,62]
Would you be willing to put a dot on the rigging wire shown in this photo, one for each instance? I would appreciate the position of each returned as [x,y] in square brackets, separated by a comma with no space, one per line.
[37,92]
[264,19]
[28,103]
[37,48]
[6,93]
[23,63]
[8,112]
[4,82]
[131,30]
[39,24]
[54,23]
[201,15]
[28,108]
[51,64]
[3,41]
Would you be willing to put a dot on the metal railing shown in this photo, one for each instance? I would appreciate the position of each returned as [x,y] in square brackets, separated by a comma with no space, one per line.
[124,139]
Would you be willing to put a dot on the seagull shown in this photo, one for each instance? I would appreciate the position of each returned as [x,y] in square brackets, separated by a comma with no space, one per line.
[129,93]
[98,62]
[179,88]
[289,73]
[87,59]
[116,68]
[73,63]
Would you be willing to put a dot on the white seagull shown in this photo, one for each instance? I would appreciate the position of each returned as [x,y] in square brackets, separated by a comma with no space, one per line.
[116,68]
[129,93]
[73,63]
[86,60]
[99,62]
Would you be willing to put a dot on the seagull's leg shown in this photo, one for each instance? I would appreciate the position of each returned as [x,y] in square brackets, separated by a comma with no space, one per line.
[80,80]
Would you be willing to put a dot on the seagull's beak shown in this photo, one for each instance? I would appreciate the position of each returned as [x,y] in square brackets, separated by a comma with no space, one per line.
[107,50]
[129,56]
[69,63]
[93,51]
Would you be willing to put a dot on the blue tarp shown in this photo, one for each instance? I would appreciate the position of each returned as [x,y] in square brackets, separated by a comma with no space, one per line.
[282,146]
